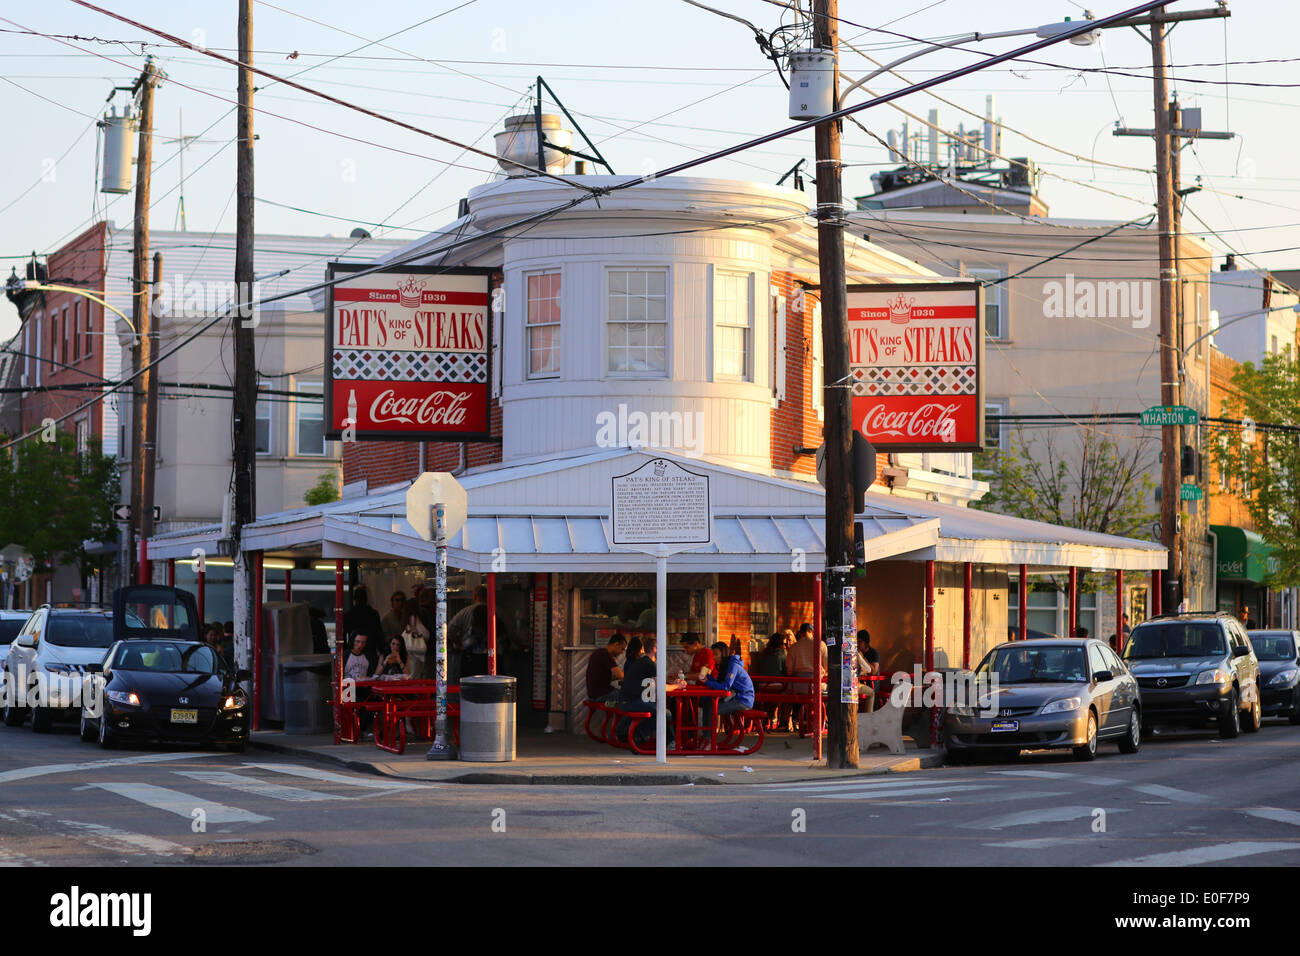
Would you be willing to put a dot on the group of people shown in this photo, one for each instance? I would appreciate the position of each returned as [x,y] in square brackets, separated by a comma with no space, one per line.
[221,638]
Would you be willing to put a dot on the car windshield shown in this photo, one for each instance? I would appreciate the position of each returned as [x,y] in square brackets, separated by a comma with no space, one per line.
[9,630]
[80,630]
[1273,647]
[167,658]
[1175,639]
[1035,664]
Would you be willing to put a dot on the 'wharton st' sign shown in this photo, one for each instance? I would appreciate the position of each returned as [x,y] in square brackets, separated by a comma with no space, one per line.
[407,355]
[915,358]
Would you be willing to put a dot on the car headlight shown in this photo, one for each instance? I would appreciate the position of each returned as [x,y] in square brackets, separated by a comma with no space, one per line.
[1216,676]
[1284,678]
[1062,706]
[235,701]
[130,698]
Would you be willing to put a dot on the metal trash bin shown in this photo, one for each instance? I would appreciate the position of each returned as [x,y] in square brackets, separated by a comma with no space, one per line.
[307,694]
[487,718]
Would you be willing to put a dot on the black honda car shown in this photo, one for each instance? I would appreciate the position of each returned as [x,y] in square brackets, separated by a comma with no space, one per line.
[164,690]
[1279,672]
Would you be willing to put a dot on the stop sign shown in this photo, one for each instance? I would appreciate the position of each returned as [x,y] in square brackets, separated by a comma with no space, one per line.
[428,490]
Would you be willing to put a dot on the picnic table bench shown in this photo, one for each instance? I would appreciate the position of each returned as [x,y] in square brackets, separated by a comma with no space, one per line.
[693,734]
[393,703]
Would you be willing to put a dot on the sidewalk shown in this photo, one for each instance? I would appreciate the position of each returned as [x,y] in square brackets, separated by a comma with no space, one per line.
[562,759]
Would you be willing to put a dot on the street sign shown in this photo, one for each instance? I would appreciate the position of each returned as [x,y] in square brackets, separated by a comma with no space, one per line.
[428,490]
[660,503]
[123,513]
[1190,493]
[1170,415]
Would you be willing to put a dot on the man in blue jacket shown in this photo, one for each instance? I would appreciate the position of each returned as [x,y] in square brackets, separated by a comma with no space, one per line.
[731,677]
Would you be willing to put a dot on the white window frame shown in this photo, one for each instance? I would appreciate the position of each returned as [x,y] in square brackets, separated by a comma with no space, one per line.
[993,295]
[270,420]
[999,406]
[778,346]
[557,325]
[818,377]
[82,430]
[719,281]
[37,350]
[666,371]
[298,408]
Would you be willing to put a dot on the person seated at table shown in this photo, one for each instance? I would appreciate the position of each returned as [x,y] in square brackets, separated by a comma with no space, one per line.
[868,666]
[733,679]
[396,663]
[603,669]
[771,663]
[701,658]
[356,667]
[637,693]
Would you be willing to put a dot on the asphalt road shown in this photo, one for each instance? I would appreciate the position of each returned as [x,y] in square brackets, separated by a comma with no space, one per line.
[1185,799]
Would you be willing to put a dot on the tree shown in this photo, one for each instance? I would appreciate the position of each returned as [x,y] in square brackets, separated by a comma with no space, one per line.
[1267,463]
[1102,488]
[324,491]
[54,501]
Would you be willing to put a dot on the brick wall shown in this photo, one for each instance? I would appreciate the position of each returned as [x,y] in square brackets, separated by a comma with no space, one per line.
[795,594]
[794,423]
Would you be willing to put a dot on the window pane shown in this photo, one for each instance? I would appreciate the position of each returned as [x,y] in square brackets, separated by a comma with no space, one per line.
[636,309]
[656,283]
[993,320]
[617,283]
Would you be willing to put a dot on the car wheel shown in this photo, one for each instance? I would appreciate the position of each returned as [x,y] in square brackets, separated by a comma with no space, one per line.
[87,731]
[1088,750]
[1129,743]
[1254,716]
[13,716]
[42,718]
[1230,717]
[107,739]
[1295,716]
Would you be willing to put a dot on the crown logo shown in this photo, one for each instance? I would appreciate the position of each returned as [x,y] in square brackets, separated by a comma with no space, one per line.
[660,469]
[900,310]
[411,292]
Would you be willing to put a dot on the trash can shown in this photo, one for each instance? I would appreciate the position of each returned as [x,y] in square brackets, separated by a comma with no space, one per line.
[306,694]
[487,718]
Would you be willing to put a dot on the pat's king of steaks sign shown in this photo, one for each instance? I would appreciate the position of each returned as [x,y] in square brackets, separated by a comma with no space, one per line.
[916,355]
[407,353]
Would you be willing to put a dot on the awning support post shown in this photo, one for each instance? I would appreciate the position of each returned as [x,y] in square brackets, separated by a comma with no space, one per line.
[442,748]
[1072,618]
[288,584]
[818,713]
[492,622]
[1156,595]
[1119,612]
[171,572]
[965,615]
[1023,630]
[258,582]
[936,712]
[339,637]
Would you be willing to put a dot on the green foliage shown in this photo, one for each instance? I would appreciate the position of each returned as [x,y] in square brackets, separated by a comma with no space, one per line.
[1100,488]
[324,491]
[1269,469]
[54,500]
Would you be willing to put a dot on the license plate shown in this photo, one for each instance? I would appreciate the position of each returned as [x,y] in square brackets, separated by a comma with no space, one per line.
[1001,726]
[185,716]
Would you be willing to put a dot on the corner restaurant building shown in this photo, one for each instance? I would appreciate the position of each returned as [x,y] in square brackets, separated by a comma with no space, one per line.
[691,302]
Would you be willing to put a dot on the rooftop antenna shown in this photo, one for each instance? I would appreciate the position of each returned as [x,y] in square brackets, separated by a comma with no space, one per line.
[184,142]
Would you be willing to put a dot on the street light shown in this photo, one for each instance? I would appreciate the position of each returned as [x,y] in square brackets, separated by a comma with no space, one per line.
[16,285]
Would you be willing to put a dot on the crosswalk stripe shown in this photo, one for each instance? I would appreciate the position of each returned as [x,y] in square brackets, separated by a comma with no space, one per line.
[1171,793]
[904,792]
[858,783]
[326,776]
[1060,775]
[261,788]
[1038,843]
[181,804]
[1203,854]
[1028,817]
[111,838]
[1272,813]
[25,773]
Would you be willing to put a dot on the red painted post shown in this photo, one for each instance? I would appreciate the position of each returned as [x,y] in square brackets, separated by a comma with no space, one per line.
[1072,617]
[142,571]
[492,622]
[936,712]
[1156,596]
[818,713]
[203,591]
[965,616]
[339,636]
[288,584]
[1119,612]
[171,572]
[257,640]
[1023,622]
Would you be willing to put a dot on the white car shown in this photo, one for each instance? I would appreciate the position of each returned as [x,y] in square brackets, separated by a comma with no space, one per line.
[11,622]
[45,669]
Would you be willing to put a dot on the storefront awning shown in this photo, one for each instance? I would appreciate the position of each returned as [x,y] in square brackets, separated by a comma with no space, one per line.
[1243,555]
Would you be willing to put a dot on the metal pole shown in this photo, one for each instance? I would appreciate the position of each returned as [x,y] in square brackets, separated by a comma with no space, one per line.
[171,572]
[339,650]
[936,712]
[965,615]
[1023,613]
[442,748]
[1119,612]
[492,622]
[257,641]
[661,658]
[203,590]
[288,584]
[1072,613]
[818,613]
[142,570]
[1155,592]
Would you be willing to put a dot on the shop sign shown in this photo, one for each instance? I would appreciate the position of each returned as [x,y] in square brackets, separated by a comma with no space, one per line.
[660,503]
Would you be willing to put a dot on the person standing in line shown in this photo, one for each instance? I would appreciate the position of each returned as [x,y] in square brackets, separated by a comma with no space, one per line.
[394,622]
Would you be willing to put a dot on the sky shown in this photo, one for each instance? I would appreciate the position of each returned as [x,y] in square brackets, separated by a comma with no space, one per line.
[652,82]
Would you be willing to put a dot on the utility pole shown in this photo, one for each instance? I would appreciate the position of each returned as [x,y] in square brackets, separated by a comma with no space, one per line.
[144,397]
[842,727]
[244,404]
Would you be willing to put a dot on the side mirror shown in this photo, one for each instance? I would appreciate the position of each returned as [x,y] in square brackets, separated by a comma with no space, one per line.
[1103,676]
[1240,651]
[25,640]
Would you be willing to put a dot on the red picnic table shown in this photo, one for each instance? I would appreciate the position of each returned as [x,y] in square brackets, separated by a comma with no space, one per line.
[694,722]
[394,700]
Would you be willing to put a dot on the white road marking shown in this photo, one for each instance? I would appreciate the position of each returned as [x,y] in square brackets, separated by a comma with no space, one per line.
[1203,854]
[1027,817]
[182,804]
[1039,843]
[1060,775]
[9,858]
[902,792]
[24,773]
[1281,816]
[1171,793]
[261,788]
[858,783]
[326,776]
[123,841]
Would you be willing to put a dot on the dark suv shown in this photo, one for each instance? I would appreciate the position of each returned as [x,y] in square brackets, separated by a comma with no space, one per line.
[1194,668]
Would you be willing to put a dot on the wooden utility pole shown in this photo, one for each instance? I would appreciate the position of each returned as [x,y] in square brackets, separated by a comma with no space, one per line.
[842,726]
[244,403]
[144,392]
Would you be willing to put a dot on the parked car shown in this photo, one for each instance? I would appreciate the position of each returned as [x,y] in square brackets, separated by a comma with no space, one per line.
[1050,693]
[1194,668]
[46,660]
[165,690]
[11,622]
[1279,672]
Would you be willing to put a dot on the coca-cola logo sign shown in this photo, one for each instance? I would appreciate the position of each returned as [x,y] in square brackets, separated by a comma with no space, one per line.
[933,421]
[442,407]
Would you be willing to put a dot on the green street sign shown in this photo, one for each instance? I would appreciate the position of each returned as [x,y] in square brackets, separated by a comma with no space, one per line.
[1170,415]
[1190,493]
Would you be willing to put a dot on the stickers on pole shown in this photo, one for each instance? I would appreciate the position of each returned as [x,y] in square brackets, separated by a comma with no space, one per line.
[849,646]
